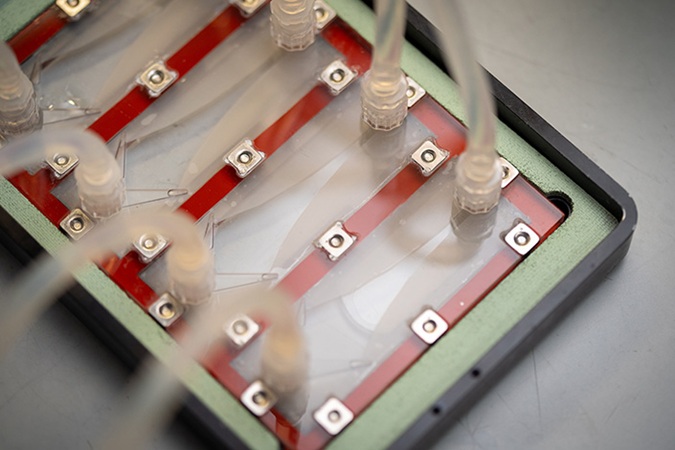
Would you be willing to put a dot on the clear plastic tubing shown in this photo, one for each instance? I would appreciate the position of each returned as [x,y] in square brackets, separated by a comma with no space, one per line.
[189,264]
[98,176]
[293,24]
[384,103]
[478,170]
[19,111]
[156,392]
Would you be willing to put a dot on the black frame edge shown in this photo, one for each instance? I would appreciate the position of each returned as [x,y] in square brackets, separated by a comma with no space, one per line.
[206,426]
[457,400]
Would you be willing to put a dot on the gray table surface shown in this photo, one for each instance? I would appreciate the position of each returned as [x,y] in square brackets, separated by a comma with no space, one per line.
[603,73]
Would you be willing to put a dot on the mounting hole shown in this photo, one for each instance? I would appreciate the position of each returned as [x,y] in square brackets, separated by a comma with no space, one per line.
[436,410]
[561,201]
[475,373]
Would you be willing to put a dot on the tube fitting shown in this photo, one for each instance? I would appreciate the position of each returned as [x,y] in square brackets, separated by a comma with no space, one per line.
[293,24]
[100,184]
[478,181]
[384,103]
[19,111]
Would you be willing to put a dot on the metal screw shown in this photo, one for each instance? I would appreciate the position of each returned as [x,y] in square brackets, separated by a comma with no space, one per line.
[61,160]
[156,77]
[245,157]
[410,92]
[429,326]
[428,155]
[73,3]
[334,416]
[260,399]
[76,224]
[167,311]
[320,14]
[240,327]
[505,172]
[336,241]
[149,242]
[522,238]
[337,76]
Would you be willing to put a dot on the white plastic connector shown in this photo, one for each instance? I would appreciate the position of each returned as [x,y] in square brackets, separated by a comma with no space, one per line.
[293,23]
[31,292]
[478,170]
[99,179]
[384,100]
[100,184]
[478,182]
[191,271]
[19,111]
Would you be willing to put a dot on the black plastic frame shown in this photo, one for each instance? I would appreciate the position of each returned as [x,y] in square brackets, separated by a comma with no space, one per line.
[515,344]
[511,110]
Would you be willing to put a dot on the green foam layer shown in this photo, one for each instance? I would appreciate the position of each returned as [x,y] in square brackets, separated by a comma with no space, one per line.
[455,354]
[16,14]
[138,323]
[440,367]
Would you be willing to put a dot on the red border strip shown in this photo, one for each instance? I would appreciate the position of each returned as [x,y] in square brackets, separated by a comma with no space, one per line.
[450,135]
[268,142]
[137,101]
[37,33]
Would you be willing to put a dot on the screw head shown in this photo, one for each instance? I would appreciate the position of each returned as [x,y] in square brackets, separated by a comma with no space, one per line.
[522,238]
[240,327]
[245,157]
[429,326]
[156,76]
[76,224]
[337,75]
[149,242]
[167,311]
[320,14]
[260,399]
[61,160]
[336,241]
[428,155]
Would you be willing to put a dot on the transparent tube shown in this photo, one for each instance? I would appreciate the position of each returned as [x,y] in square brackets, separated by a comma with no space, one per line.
[293,23]
[19,111]
[48,277]
[99,179]
[478,170]
[384,103]
[157,391]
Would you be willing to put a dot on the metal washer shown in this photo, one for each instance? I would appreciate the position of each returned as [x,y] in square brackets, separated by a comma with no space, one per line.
[62,164]
[429,326]
[335,241]
[428,157]
[333,416]
[73,8]
[337,76]
[241,329]
[509,172]
[522,239]
[244,157]
[76,224]
[258,398]
[157,78]
[166,310]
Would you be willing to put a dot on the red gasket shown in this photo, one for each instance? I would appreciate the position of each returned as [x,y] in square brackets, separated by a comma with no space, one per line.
[450,135]
[136,101]
[37,33]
